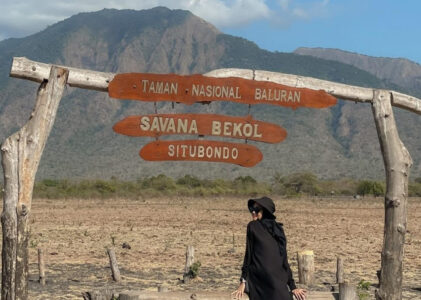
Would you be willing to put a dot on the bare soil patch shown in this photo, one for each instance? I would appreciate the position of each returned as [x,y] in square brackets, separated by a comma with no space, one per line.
[75,234]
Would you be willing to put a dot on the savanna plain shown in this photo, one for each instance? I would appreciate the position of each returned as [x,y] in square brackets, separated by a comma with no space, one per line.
[75,233]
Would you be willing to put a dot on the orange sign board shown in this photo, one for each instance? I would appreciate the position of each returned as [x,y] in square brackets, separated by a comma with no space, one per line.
[190,89]
[201,124]
[200,150]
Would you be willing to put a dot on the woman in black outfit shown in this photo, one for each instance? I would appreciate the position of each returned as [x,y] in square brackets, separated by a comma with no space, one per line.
[266,271]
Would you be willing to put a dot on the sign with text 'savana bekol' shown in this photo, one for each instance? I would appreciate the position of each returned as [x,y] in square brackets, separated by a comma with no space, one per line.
[201,124]
[191,89]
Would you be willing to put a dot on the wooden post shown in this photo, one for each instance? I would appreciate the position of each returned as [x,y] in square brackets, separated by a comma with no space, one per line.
[113,264]
[189,262]
[339,270]
[162,289]
[397,163]
[305,267]
[189,258]
[102,294]
[41,266]
[130,295]
[21,153]
[347,292]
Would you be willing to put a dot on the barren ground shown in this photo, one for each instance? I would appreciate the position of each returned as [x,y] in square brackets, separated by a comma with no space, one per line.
[75,234]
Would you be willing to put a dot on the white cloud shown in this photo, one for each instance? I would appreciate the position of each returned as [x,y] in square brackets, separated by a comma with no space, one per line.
[228,13]
[284,4]
[300,13]
[299,10]
[23,17]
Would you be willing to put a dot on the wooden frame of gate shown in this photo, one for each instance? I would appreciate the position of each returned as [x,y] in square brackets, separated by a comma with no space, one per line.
[21,153]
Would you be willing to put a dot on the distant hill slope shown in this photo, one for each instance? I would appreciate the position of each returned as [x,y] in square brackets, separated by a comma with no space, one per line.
[399,71]
[336,142]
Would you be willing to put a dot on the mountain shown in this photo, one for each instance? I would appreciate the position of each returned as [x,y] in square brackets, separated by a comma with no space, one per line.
[336,142]
[399,71]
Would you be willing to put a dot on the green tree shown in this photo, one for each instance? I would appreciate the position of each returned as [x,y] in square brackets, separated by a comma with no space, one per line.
[190,181]
[245,180]
[414,189]
[305,182]
[159,183]
[368,187]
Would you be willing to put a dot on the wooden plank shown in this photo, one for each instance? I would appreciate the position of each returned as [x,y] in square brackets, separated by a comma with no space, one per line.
[190,89]
[156,125]
[203,295]
[201,150]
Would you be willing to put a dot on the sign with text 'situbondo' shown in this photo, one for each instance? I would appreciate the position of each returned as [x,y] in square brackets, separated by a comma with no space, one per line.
[198,88]
[198,150]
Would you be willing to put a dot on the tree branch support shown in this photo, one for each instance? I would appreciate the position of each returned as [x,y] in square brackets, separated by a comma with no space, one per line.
[21,153]
[397,162]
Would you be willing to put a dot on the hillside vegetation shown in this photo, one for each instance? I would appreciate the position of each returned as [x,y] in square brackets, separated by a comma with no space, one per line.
[340,142]
[294,185]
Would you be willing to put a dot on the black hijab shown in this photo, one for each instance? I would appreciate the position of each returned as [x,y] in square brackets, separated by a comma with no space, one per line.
[268,221]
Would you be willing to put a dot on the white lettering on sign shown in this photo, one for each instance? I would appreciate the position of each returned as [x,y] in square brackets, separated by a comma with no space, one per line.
[277,95]
[159,87]
[231,129]
[216,91]
[200,151]
[168,125]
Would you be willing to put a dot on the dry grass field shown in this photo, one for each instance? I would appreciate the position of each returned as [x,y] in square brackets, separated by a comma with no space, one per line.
[75,234]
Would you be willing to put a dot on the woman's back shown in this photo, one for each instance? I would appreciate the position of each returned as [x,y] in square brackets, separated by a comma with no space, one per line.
[266,270]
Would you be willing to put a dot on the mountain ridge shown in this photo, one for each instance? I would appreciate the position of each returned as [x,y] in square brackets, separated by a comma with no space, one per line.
[399,71]
[336,142]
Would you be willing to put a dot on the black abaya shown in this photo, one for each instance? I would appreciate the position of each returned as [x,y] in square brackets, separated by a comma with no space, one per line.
[265,269]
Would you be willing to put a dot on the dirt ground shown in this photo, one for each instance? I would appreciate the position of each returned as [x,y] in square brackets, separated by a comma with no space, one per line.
[75,234]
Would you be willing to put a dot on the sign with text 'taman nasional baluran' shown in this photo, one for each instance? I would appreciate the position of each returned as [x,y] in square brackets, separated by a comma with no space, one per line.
[190,89]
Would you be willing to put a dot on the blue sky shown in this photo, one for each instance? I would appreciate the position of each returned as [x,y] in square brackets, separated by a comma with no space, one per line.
[387,28]
[377,28]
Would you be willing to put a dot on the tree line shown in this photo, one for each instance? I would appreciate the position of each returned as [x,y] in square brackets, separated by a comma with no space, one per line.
[293,185]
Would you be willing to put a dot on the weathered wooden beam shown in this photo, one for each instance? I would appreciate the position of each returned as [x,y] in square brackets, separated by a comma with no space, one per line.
[203,295]
[9,217]
[339,90]
[21,153]
[397,161]
[114,265]
[87,79]
[35,71]
[406,102]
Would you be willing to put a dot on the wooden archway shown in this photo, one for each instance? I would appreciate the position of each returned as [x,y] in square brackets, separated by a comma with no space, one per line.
[21,153]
